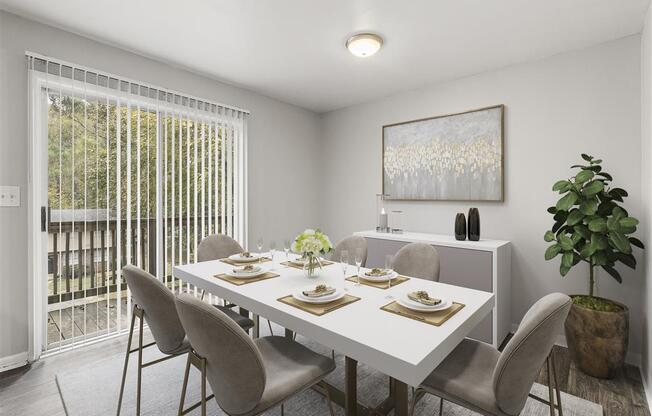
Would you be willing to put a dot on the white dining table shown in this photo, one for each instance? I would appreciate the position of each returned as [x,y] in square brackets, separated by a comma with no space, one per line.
[405,349]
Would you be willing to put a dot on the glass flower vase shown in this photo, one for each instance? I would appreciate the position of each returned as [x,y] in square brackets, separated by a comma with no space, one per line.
[312,266]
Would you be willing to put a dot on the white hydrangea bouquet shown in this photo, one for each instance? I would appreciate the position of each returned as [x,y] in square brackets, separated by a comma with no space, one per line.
[312,244]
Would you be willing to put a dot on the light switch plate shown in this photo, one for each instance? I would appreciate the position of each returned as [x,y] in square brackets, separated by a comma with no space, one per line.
[9,196]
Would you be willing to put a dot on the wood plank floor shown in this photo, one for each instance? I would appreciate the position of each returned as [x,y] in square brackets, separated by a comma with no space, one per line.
[32,390]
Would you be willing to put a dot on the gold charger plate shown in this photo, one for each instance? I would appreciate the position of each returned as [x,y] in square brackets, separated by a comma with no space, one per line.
[242,263]
[319,309]
[380,285]
[240,282]
[436,318]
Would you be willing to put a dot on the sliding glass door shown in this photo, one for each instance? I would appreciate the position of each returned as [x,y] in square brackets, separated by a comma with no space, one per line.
[133,175]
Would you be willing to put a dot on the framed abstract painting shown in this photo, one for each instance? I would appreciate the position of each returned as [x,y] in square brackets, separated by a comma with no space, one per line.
[456,157]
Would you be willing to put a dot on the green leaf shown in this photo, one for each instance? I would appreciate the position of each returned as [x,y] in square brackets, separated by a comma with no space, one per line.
[574,217]
[620,242]
[589,207]
[600,258]
[566,202]
[614,273]
[599,241]
[618,191]
[595,168]
[598,225]
[587,251]
[552,251]
[587,157]
[565,242]
[636,242]
[560,216]
[627,259]
[549,236]
[578,166]
[563,270]
[557,226]
[561,186]
[583,230]
[584,176]
[628,222]
[606,207]
[613,224]
[552,210]
[606,176]
[593,188]
[618,212]
[567,259]
[596,161]
[576,238]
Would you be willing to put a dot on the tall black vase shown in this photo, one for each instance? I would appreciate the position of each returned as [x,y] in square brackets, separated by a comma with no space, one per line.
[474,224]
[460,227]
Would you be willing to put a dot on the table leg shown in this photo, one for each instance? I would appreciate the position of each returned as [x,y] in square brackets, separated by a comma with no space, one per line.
[351,388]
[256,333]
[400,398]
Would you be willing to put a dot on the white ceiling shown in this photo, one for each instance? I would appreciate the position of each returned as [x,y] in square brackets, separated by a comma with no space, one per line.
[294,50]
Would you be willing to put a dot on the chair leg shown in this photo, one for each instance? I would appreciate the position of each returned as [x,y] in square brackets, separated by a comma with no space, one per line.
[441,407]
[413,403]
[203,388]
[140,364]
[557,390]
[185,386]
[551,397]
[328,399]
[124,370]
[282,409]
[269,323]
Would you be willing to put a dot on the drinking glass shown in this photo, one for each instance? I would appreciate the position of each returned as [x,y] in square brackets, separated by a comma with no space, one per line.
[259,244]
[358,263]
[286,246]
[389,259]
[344,261]
[272,249]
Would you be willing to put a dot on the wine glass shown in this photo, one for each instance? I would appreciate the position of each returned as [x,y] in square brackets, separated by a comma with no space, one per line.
[344,261]
[358,263]
[286,246]
[259,245]
[389,259]
[272,249]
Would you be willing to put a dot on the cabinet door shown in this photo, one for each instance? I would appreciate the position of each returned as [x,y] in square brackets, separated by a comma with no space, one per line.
[458,266]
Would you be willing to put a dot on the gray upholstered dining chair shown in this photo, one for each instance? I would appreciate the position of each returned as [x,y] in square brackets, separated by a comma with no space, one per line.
[479,377]
[417,260]
[217,246]
[351,244]
[154,303]
[221,246]
[246,376]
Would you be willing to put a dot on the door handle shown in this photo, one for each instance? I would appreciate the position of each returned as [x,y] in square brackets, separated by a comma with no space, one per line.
[44,219]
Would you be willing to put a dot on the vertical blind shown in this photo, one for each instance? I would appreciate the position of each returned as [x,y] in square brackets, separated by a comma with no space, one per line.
[137,174]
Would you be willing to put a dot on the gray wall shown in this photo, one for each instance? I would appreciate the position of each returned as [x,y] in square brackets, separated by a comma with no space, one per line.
[585,101]
[283,142]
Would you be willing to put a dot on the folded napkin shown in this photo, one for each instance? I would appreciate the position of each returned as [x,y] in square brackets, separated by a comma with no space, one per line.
[422,296]
[320,290]
[246,269]
[377,272]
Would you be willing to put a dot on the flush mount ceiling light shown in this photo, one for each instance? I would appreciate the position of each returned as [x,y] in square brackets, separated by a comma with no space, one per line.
[364,44]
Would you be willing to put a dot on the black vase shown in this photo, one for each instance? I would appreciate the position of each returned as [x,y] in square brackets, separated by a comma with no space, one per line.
[474,224]
[460,227]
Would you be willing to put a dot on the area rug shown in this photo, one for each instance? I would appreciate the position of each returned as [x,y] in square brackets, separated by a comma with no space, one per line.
[93,390]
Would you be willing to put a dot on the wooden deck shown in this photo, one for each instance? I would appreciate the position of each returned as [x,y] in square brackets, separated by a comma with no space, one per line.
[67,322]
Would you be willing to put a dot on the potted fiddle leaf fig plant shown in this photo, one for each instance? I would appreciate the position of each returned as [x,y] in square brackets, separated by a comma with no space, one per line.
[592,229]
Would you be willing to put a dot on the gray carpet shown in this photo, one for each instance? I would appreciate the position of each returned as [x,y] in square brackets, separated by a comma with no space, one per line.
[93,390]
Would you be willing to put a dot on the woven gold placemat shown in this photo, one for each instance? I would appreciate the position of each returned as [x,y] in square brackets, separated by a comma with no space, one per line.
[296,266]
[319,309]
[240,282]
[433,318]
[236,263]
[380,285]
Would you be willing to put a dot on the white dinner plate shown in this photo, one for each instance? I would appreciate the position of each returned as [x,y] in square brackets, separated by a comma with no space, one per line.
[246,275]
[420,307]
[298,262]
[384,278]
[298,295]
[239,259]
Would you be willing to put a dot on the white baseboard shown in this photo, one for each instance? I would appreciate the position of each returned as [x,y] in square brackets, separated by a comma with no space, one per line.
[13,361]
[631,358]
